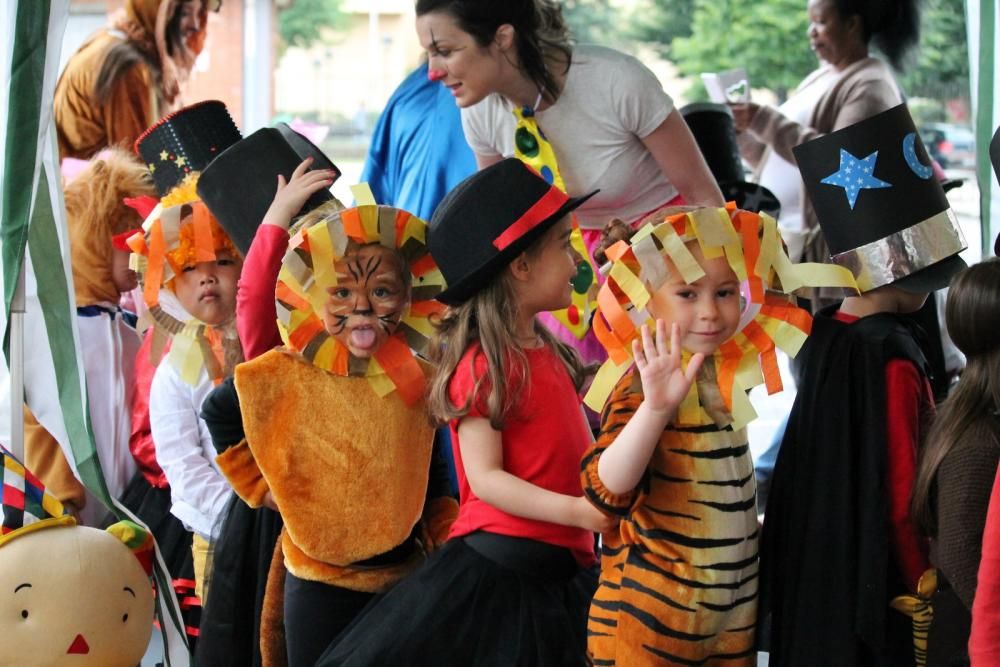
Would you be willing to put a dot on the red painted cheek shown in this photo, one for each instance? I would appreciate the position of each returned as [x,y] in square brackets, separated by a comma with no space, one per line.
[79,646]
[436,74]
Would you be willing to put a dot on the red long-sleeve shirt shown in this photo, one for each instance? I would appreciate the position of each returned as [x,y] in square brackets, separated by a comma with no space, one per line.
[908,401]
[256,314]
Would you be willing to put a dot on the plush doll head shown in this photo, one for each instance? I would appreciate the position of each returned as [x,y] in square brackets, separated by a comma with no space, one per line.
[69,595]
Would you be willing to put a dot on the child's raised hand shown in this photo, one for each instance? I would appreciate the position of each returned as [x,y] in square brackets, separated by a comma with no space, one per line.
[664,383]
[290,197]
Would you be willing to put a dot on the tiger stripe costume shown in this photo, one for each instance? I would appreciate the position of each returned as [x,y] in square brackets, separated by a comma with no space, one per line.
[679,578]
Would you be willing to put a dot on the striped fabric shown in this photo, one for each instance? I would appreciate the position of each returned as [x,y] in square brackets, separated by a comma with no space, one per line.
[679,578]
[25,502]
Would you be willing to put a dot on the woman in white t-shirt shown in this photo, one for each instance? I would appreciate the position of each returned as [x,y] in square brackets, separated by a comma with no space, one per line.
[604,113]
[606,116]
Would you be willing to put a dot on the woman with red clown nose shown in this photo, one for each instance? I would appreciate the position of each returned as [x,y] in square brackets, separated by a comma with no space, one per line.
[576,115]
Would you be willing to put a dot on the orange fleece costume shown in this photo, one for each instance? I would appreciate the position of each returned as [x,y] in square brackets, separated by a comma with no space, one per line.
[360,504]
[144,85]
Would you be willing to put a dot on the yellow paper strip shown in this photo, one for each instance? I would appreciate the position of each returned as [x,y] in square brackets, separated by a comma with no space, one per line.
[321,248]
[604,382]
[421,324]
[362,195]
[682,258]
[379,380]
[369,221]
[743,412]
[713,226]
[769,245]
[734,255]
[630,284]
[415,228]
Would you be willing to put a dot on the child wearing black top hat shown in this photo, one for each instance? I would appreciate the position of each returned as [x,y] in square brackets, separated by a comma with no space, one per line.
[838,543]
[511,585]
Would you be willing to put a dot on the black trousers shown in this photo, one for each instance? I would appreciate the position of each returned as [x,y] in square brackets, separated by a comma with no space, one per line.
[315,613]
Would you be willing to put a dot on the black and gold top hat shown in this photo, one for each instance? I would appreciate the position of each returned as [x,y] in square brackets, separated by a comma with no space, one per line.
[185,142]
[884,215]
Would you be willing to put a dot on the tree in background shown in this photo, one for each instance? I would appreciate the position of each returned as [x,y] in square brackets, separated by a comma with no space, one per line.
[301,22]
[596,22]
[767,39]
[660,22]
[941,70]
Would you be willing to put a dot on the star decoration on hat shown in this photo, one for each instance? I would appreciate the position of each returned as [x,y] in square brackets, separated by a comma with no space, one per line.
[163,156]
[855,175]
[181,161]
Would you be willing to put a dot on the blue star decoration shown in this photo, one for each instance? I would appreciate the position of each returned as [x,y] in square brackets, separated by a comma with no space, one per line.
[855,175]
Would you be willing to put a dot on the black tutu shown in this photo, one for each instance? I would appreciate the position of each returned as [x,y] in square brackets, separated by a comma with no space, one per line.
[152,506]
[230,623]
[464,607]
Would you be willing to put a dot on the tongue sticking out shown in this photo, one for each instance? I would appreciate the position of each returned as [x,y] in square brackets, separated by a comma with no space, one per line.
[363,339]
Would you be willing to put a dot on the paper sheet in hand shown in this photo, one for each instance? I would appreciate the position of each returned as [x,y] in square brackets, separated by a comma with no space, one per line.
[733,85]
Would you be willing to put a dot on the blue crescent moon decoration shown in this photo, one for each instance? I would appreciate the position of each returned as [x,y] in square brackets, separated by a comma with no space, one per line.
[910,155]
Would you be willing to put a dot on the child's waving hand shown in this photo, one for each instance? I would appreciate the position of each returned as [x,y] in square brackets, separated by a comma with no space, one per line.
[664,382]
[291,196]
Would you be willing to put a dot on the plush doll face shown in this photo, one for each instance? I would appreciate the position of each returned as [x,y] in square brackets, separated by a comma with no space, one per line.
[369,299]
[73,596]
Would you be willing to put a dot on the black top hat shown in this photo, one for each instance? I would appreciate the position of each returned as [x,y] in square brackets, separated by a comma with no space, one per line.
[714,131]
[186,141]
[883,213]
[489,219]
[239,185]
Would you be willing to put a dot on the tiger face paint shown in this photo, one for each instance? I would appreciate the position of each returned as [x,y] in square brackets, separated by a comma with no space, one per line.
[369,299]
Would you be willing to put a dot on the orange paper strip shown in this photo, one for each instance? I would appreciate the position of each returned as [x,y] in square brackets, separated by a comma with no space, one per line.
[204,246]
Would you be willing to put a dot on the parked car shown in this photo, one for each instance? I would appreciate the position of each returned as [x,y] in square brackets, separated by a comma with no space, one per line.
[953,146]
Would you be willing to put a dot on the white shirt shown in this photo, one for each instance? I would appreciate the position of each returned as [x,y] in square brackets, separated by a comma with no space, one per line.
[198,490]
[609,102]
[781,176]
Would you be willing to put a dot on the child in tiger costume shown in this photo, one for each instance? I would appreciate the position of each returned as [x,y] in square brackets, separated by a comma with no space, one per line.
[679,576]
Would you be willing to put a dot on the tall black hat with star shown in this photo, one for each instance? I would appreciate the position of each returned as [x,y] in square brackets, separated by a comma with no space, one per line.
[714,132]
[185,142]
[884,215]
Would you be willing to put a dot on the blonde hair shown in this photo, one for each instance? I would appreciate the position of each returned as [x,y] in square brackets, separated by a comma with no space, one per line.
[488,318]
